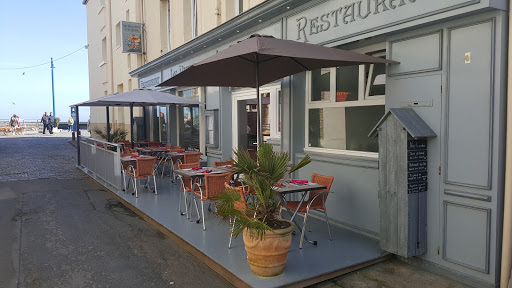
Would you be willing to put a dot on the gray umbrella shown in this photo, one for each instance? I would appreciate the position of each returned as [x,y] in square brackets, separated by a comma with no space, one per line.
[259,60]
[139,97]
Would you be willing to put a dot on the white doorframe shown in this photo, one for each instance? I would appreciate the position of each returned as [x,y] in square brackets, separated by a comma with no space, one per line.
[250,93]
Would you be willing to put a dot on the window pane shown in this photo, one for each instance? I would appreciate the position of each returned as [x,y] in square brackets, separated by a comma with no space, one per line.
[378,80]
[246,123]
[378,84]
[347,83]
[192,94]
[344,128]
[211,128]
[190,127]
[163,123]
[361,121]
[265,113]
[320,84]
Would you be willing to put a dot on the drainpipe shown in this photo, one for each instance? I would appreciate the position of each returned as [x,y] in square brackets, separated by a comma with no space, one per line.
[111,56]
[506,249]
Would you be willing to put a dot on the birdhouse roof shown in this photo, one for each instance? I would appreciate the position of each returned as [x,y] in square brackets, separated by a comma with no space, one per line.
[411,121]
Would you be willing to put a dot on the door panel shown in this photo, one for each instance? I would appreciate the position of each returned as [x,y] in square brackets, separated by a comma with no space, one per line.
[423,94]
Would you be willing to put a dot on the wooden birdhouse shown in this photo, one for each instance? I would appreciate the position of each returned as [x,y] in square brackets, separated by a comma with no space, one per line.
[403,181]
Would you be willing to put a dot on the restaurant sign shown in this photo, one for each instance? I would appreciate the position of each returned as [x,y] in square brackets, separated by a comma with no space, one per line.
[339,19]
[131,35]
[150,81]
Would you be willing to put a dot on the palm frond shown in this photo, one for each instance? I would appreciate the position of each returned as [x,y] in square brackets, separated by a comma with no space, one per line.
[116,136]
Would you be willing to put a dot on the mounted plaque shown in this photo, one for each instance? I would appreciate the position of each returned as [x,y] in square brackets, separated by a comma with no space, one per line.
[417,174]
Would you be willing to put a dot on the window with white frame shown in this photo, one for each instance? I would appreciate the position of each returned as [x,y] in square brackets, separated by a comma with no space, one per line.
[344,104]
[193,5]
[212,131]
[118,35]
[104,50]
[239,7]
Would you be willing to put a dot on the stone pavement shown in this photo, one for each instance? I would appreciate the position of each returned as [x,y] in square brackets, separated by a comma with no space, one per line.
[390,273]
[60,228]
[37,156]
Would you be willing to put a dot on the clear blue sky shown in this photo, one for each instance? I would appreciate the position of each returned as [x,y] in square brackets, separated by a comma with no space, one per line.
[32,32]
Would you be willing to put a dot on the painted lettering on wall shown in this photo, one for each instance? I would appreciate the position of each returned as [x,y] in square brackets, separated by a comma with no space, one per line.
[355,11]
[175,71]
[149,83]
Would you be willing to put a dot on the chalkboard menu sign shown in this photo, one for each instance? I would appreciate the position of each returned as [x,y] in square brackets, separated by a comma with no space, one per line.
[417,166]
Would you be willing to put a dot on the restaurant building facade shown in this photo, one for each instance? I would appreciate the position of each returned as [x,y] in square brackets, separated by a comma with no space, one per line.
[452,72]
[165,25]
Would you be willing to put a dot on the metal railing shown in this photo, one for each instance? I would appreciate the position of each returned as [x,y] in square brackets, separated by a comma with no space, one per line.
[102,160]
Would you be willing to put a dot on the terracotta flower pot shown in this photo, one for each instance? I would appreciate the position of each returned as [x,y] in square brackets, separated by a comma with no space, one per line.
[267,257]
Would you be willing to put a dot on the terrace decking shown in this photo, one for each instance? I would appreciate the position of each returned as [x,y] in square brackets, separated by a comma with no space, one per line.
[347,251]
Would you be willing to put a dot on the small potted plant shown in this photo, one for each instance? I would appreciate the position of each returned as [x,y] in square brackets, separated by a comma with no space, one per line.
[267,238]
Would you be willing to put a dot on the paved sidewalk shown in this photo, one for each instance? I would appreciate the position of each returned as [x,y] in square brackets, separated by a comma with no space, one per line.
[38,156]
[62,229]
[391,273]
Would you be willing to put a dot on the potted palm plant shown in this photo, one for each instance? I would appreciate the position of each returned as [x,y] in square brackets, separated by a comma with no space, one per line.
[267,238]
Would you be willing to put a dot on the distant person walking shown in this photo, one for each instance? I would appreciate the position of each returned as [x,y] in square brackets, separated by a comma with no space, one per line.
[13,123]
[51,122]
[70,123]
[44,120]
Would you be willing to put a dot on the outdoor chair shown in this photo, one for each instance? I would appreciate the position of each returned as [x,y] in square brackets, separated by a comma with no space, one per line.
[166,161]
[316,201]
[238,205]
[191,157]
[154,144]
[124,167]
[222,163]
[144,168]
[214,184]
[186,183]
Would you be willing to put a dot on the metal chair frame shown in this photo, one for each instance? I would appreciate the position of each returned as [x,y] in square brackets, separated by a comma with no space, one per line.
[203,198]
[134,177]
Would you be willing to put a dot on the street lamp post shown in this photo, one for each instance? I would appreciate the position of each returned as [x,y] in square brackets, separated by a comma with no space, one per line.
[53,91]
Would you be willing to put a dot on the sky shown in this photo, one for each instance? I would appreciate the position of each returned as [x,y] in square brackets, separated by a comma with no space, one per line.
[33,31]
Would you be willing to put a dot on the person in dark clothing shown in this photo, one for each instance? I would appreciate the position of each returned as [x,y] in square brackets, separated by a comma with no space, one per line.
[44,120]
[51,122]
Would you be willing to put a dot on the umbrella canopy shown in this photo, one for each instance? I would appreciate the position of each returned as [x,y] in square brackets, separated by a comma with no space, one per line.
[139,97]
[259,60]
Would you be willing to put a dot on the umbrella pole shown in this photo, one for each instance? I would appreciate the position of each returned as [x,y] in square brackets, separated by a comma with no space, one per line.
[78,134]
[108,124]
[131,123]
[258,111]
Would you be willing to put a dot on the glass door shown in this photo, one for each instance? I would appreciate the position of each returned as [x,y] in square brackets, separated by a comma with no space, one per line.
[191,127]
[162,117]
[245,111]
